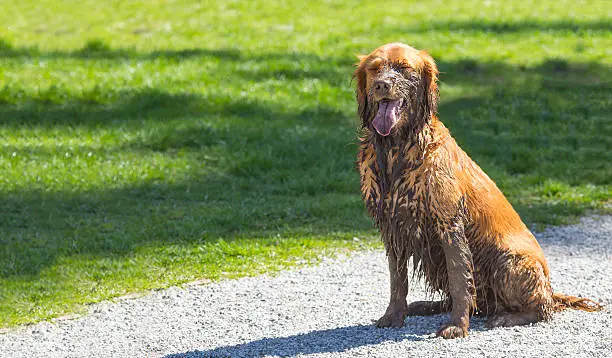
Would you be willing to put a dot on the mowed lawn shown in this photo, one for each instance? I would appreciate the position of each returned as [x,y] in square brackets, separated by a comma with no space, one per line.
[150,143]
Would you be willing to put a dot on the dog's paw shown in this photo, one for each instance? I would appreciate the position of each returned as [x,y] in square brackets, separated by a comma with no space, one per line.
[449,331]
[425,308]
[512,319]
[394,320]
[499,321]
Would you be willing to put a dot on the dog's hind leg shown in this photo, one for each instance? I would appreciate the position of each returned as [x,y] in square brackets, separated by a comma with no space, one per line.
[526,295]
[428,308]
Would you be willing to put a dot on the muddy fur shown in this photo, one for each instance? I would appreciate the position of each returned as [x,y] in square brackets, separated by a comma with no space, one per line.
[431,202]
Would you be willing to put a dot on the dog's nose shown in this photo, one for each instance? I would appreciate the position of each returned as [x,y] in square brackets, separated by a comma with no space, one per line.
[382,87]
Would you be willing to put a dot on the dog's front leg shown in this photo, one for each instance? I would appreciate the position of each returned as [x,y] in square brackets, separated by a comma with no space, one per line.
[459,267]
[398,308]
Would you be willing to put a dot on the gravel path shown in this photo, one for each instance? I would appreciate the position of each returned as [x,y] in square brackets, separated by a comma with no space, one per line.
[326,311]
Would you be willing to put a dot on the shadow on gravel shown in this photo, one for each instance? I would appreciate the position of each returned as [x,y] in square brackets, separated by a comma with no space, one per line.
[330,340]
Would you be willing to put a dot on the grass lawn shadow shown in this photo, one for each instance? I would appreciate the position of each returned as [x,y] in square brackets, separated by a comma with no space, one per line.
[508,26]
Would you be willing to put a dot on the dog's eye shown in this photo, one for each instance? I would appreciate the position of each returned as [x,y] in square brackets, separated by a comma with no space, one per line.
[403,66]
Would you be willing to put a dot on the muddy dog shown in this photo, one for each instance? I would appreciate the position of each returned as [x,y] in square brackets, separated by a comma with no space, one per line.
[431,202]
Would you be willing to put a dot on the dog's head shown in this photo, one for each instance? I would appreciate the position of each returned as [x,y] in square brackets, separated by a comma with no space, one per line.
[396,87]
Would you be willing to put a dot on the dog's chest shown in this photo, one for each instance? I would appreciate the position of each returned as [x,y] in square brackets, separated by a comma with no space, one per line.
[397,195]
[394,185]
[407,201]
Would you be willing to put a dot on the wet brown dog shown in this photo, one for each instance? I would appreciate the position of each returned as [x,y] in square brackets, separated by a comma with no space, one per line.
[431,202]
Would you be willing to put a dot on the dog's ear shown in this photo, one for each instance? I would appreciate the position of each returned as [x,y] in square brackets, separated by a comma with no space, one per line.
[429,72]
[361,91]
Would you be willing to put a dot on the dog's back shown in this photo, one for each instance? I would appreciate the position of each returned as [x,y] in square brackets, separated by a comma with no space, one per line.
[501,244]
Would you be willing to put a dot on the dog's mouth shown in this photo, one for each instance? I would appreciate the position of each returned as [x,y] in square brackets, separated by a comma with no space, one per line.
[387,115]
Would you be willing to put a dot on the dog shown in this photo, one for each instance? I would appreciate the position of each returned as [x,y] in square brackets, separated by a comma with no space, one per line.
[431,202]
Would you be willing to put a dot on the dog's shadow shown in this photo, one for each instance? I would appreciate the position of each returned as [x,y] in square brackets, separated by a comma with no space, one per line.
[332,340]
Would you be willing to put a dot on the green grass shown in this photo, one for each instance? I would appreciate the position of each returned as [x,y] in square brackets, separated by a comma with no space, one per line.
[150,143]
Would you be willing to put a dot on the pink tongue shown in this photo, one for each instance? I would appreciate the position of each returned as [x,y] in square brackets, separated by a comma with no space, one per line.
[386,117]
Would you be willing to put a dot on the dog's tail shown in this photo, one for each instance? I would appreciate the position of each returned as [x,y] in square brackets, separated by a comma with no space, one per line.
[564,301]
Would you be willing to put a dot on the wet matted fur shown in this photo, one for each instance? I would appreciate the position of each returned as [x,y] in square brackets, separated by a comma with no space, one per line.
[431,202]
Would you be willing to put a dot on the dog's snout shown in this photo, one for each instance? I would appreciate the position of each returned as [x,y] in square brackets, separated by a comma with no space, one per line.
[382,86]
